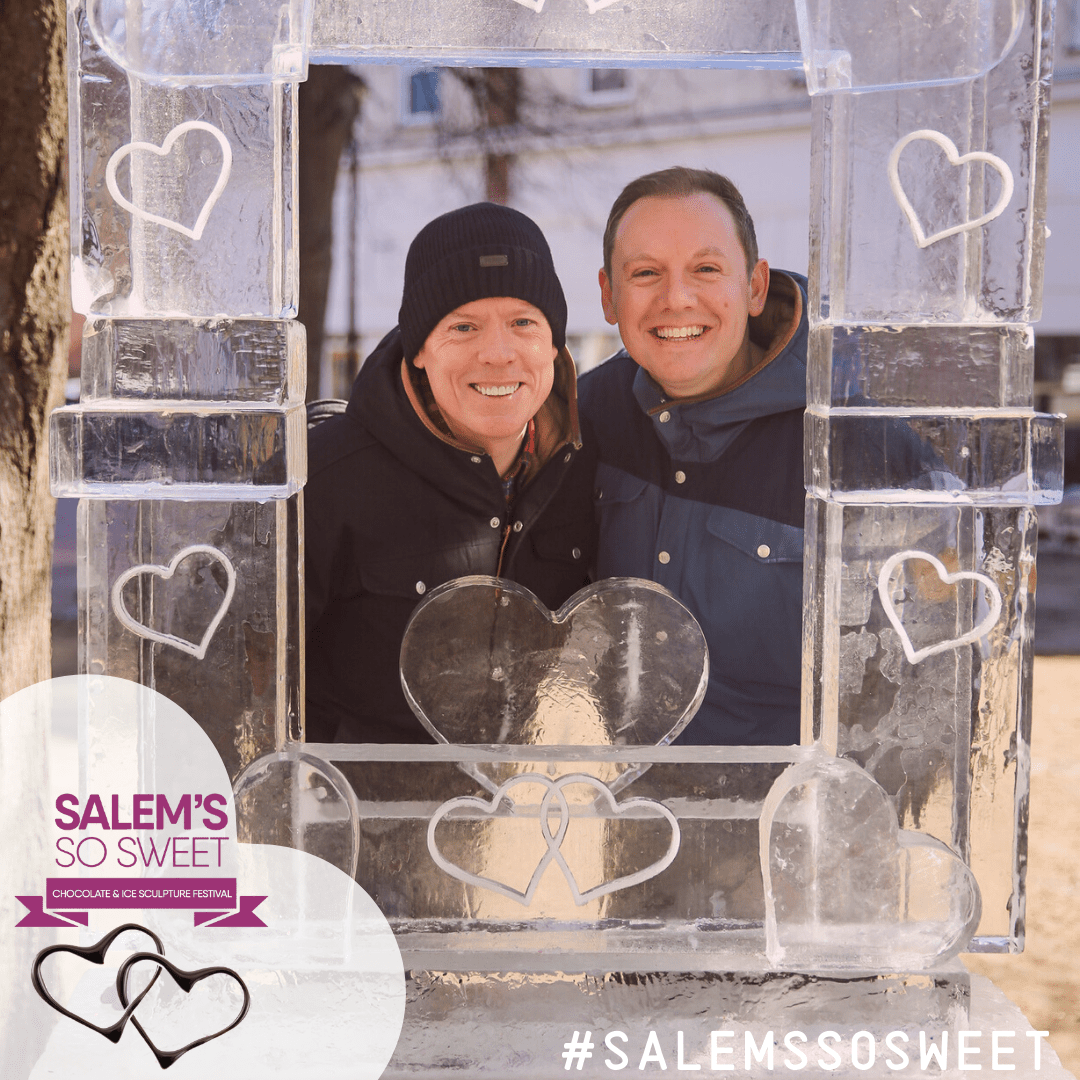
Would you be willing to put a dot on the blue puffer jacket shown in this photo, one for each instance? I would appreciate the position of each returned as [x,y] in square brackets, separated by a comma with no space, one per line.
[706,498]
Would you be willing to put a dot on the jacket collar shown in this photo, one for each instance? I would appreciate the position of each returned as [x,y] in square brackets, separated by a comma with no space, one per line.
[701,428]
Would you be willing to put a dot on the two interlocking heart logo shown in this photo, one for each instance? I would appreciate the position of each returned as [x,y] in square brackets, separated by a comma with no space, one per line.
[125,151]
[979,630]
[196,649]
[956,159]
[186,980]
[553,854]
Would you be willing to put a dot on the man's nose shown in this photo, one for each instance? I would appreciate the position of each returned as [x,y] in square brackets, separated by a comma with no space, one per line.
[679,292]
[496,345]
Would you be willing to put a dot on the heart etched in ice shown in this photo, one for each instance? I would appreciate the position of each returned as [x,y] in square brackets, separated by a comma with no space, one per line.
[554,799]
[128,149]
[979,630]
[956,159]
[621,663]
[198,650]
[845,887]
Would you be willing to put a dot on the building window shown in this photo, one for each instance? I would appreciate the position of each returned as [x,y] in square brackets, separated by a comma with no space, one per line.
[607,86]
[421,95]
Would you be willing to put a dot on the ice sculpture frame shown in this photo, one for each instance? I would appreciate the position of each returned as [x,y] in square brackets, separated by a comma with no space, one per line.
[183,161]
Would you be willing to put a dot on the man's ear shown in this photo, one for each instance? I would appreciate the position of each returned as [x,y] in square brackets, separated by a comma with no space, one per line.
[759,287]
[418,359]
[606,299]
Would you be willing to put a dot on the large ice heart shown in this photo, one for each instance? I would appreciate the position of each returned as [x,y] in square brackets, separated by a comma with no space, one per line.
[845,887]
[621,663]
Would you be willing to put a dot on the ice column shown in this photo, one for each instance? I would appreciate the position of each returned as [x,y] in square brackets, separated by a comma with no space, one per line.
[188,448]
[924,457]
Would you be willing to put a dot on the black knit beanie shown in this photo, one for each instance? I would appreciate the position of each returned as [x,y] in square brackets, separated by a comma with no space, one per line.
[473,253]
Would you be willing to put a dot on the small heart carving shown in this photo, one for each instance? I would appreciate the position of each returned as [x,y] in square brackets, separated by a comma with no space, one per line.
[954,158]
[166,572]
[96,955]
[554,840]
[974,634]
[185,980]
[161,151]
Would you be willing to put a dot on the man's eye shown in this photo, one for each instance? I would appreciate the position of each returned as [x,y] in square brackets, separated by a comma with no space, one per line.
[524,321]
[462,326]
[644,272]
[709,268]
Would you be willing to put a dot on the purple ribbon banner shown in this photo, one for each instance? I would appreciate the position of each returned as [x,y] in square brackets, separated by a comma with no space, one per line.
[71,899]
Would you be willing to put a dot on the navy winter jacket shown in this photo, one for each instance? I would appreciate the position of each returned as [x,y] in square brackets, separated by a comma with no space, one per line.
[706,498]
[394,509]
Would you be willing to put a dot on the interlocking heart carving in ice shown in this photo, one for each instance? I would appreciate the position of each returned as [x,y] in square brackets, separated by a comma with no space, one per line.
[165,572]
[125,151]
[555,792]
[956,159]
[979,630]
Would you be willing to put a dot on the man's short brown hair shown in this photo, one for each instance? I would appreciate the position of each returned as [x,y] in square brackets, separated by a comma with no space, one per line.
[678,182]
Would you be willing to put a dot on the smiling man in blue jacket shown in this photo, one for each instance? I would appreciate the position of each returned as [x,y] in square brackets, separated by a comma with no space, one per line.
[699,426]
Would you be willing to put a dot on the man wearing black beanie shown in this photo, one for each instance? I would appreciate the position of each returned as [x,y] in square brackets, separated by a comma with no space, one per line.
[460,453]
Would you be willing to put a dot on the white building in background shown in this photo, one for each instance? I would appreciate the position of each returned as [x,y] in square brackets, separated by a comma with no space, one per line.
[581,136]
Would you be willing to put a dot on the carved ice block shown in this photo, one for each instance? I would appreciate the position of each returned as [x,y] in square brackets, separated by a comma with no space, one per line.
[183,197]
[844,887]
[932,43]
[198,600]
[177,450]
[917,665]
[705,900]
[160,361]
[184,41]
[622,663]
[176,408]
[1005,457]
[731,34]
[982,366]
[928,205]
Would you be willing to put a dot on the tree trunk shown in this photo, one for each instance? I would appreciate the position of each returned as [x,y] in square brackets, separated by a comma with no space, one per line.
[34,313]
[329,106]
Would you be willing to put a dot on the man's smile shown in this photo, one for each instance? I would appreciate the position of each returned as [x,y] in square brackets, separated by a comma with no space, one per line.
[678,333]
[499,390]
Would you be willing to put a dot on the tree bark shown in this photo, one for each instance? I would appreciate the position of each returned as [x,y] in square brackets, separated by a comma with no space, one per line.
[34,314]
[329,106]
